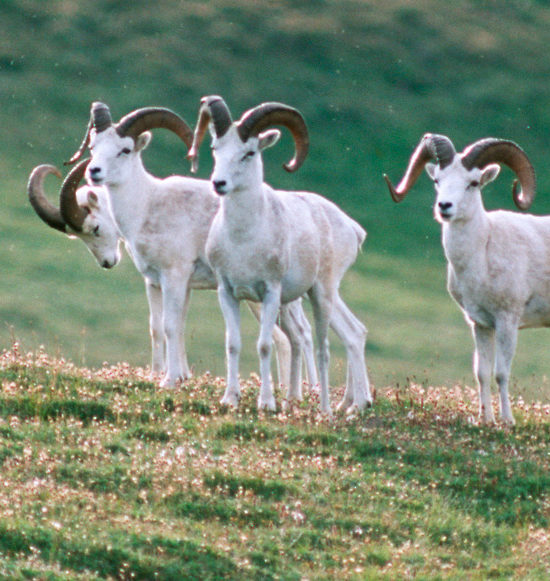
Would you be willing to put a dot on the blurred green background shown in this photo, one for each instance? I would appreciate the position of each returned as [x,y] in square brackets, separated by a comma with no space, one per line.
[370,77]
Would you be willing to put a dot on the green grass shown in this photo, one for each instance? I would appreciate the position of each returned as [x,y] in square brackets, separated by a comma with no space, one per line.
[370,77]
[167,484]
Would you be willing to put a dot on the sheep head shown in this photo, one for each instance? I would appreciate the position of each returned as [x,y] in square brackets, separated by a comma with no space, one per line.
[83,212]
[131,132]
[69,215]
[243,139]
[465,172]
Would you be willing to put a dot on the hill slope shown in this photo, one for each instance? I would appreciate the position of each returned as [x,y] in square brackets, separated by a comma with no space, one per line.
[370,78]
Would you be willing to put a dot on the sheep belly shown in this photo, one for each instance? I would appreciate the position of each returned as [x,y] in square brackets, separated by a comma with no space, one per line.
[536,312]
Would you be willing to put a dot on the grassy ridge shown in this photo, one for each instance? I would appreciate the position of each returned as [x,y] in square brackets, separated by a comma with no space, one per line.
[105,476]
[370,78]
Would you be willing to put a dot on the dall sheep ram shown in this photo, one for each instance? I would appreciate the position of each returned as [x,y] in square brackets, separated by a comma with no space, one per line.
[273,246]
[164,223]
[498,262]
[82,213]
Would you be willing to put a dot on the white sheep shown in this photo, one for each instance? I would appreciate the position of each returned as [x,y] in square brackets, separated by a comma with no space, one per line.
[498,262]
[274,246]
[164,223]
[82,213]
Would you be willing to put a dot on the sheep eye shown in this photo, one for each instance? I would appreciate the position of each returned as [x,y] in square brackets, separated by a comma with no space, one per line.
[474,184]
[248,155]
[125,151]
[96,230]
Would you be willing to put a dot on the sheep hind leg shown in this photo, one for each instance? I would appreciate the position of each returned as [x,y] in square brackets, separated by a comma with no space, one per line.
[354,335]
[290,323]
[321,303]
[302,323]
[484,354]
[506,340]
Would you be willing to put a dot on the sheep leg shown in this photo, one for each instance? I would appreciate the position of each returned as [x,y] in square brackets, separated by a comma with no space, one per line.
[154,298]
[174,291]
[506,340]
[294,332]
[270,310]
[321,303]
[484,354]
[353,334]
[282,347]
[296,311]
[232,317]
[183,351]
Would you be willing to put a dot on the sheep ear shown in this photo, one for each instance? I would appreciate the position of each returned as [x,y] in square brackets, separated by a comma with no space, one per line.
[430,170]
[93,200]
[143,140]
[268,138]
[489,173]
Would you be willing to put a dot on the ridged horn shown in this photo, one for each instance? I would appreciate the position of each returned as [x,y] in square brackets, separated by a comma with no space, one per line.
[100,120]
[140,120]
[71,212]
[432,147]
[212,109]
[491,150]
[254,121]
[35,190]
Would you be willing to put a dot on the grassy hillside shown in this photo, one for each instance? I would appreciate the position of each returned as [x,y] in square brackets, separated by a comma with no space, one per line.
[104,476]
[370,77]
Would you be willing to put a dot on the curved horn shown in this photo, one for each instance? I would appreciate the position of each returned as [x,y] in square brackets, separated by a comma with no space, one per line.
[71,212]
[212,108]
[256,120]
[35,190]
[140,120]
[100,119]
[492,150]
[432,147]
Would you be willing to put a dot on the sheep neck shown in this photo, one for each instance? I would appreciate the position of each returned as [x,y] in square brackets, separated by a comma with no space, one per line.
[129,201]
[243,210]
[464,241]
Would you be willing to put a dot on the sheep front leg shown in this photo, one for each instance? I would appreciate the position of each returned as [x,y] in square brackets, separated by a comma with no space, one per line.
[282,347]
[183,351]
[174,296]
[484,353]
[154,299]
[506,340]
[270,310]
[232,317]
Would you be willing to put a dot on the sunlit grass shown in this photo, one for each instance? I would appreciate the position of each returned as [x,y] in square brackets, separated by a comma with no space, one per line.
[103,474]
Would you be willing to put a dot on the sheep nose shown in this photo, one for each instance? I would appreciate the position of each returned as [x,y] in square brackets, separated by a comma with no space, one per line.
[445,206]
[94,173]
[219,186]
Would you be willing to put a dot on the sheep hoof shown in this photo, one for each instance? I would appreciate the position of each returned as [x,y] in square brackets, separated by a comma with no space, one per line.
[343,406]
[170,383]
[230,399]
[267,404]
